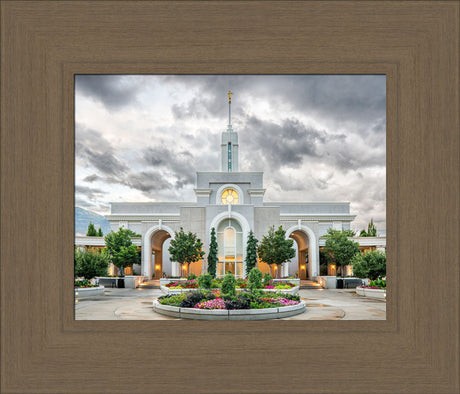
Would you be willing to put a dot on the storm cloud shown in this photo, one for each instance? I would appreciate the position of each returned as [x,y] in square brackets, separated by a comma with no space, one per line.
[316,137]
[113,91]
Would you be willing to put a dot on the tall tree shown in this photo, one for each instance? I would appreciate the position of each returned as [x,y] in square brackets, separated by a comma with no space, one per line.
[371,230]
[340,249]
[91,230]
[275,249]
[121,250]
[212,255]
[99,232]
[185,248]
[251,252]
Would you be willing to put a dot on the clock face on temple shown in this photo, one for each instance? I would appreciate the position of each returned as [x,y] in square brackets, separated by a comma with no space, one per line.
[229,196]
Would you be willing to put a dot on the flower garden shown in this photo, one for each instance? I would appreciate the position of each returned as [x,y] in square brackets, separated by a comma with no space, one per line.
[230,298]
[240,284]
[214,299]
[84,283]
[376,284]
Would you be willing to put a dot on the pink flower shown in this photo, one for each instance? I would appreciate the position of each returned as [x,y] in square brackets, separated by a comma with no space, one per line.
[217,303]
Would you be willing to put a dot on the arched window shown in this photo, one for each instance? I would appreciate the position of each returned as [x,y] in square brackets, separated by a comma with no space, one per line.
[230,196]
[230,248]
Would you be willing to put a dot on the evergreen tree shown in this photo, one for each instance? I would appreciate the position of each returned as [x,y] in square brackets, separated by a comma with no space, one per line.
[255,279]
[251,252]
[212,255]
[121,250]
[91,230]
[185,248]
[371,230]
[99,233]
[340,249]
[275,249]
[229,284]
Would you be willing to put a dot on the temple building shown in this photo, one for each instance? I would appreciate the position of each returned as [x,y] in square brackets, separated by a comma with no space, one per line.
[233,203]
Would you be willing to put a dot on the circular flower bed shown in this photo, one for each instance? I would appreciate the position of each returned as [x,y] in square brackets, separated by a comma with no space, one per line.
[206,299]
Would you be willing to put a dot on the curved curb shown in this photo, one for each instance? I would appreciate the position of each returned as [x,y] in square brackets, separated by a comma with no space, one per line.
[224,314]
[89,291]
[372,293]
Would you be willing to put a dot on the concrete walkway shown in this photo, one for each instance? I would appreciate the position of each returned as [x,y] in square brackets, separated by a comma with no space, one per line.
[322,304]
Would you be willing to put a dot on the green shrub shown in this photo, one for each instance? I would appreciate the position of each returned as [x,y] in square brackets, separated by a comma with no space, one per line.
[83,283]
[215,284]
[281,286]
[370,265]
[205,281]
[267,278]
[90,264]
[191,276]
[255,279]
[172,299]
[229,284]
[382,284]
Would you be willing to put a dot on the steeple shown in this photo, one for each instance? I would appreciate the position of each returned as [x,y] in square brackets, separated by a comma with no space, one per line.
[229,110]
[229,145]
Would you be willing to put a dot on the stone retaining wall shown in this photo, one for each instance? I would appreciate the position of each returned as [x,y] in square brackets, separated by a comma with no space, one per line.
[82,292]
[224,314]
[372,293]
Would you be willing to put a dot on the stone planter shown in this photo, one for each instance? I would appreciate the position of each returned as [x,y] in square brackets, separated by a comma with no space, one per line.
[372,293]
[82,292]
[293,290]
[167,290]
[165,281]
[127,281]
[327,282]
[294,281]
[223,314]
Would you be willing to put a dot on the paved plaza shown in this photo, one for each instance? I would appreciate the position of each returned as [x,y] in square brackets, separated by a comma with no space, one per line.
[322,304]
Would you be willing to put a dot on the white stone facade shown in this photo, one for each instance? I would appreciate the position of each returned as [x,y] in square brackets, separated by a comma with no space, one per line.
[234,202]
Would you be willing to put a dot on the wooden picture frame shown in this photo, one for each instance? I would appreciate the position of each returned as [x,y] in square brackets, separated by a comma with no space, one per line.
[45,43]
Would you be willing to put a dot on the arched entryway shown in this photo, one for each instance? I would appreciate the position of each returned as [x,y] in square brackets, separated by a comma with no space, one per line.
[152,251]
[307,251]
[232,231]
[301,240]
[229,248]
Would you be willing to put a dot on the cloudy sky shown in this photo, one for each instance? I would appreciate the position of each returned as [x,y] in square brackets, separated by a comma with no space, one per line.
[316,137]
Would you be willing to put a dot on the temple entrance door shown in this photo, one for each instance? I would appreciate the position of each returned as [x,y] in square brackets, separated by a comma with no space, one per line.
[301,239]
[157,241]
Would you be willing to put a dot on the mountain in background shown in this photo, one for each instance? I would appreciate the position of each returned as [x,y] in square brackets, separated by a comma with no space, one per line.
[83,217]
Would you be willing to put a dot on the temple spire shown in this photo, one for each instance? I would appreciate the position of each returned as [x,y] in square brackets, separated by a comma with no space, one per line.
[229,110]
[229,144]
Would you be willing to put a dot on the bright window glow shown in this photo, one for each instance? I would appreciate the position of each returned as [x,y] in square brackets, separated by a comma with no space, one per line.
[230,196]
[230,248]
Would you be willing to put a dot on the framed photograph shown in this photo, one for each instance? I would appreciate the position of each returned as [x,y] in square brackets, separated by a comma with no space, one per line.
[45,46]
[199,182]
